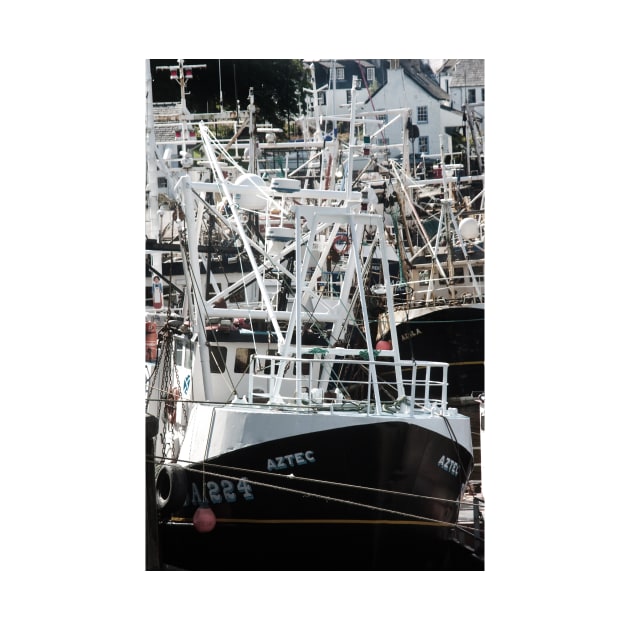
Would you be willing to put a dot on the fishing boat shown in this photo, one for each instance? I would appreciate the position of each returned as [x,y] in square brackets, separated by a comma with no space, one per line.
[223,261]
[435,222]
[435,254]
[440,246]
[317,458]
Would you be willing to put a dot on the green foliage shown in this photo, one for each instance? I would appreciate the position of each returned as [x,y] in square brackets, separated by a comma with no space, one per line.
[278,86]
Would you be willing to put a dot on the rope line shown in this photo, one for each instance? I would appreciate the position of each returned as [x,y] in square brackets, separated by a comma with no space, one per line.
[417,517]
[331,498]
[305,479]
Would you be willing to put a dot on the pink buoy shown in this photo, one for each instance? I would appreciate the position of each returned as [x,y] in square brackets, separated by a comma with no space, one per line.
[383,345]
[204,520]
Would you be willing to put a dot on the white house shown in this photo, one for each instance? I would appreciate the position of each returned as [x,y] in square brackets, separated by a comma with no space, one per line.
[393,84]
[464,80]
[410,85]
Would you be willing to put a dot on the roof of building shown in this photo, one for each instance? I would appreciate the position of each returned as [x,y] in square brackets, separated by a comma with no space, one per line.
[464,72]
[163,112]
[421,73]
[340,63]
[329,64]
[167,118]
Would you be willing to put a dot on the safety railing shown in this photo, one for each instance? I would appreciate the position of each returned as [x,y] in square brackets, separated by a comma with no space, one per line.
[319,380]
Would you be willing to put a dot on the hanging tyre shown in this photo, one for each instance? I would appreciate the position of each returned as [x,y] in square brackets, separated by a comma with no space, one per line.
[170,488]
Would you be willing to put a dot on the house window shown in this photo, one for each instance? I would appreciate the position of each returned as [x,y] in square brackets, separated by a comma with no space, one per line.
[423,114]
[348,96]
[471,96]
[321,98]
[423,144]
[483,94]
[369,74]
[340,74]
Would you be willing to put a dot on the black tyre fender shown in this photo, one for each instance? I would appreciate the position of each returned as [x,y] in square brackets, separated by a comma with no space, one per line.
[170,488]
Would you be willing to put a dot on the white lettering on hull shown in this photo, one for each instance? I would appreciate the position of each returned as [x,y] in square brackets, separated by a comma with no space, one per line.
[449,465]
[285,462]
[220,491]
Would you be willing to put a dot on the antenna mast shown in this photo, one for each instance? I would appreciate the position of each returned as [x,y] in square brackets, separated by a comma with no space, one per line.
[182,74]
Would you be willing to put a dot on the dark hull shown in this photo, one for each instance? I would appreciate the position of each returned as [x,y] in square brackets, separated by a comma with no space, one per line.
[454,335]
[372,496]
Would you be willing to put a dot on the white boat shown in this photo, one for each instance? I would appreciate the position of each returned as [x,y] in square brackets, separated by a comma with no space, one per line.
[317,457]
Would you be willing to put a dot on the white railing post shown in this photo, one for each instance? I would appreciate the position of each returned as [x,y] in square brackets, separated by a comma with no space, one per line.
[413,388]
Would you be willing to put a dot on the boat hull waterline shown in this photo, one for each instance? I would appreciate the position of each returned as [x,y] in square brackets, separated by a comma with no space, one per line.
[355,480]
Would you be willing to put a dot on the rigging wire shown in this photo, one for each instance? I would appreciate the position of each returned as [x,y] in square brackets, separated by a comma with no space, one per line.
[313,495]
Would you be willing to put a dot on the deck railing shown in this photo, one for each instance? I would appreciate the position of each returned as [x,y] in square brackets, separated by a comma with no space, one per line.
[321,381]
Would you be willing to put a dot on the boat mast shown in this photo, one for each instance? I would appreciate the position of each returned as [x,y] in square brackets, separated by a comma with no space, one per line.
[351,139]
[182,73]
[209,149]
[251,108]
[220,89]
[447,211]
[193,278]
[152,178]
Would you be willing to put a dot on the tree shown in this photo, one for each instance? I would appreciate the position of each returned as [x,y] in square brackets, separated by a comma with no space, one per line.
[278,86]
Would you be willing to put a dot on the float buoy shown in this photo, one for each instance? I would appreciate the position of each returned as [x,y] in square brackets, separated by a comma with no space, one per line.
[204,519]
[469,229]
